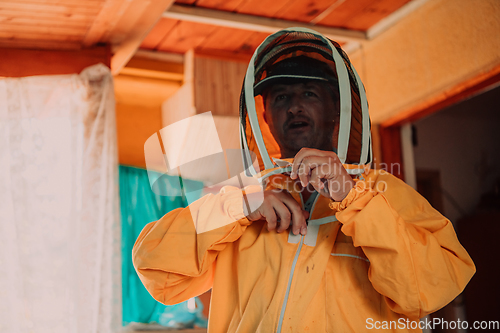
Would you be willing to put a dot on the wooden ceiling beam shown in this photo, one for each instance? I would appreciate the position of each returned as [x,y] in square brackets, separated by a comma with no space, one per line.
[255,23]
[151,74]
[160,56]
[135,34]
[105,21]
[124,25]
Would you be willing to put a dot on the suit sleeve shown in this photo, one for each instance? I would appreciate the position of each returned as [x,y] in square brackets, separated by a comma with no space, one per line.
[176,255]
[416,260]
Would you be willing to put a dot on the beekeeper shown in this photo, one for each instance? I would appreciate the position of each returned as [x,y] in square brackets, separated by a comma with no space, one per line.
[335,246]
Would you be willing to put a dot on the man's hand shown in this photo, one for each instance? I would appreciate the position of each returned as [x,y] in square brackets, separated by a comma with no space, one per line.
[281,211]
[324,171]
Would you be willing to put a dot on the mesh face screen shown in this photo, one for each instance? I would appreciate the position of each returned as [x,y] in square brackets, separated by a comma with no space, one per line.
[295,43]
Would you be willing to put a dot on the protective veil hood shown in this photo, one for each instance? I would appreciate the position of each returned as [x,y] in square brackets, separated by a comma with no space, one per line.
[353,139]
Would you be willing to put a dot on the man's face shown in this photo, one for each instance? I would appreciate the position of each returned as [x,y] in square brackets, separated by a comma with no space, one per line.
[302,115]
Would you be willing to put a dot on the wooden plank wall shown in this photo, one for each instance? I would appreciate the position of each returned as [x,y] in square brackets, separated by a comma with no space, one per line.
[217,85]
[391,150]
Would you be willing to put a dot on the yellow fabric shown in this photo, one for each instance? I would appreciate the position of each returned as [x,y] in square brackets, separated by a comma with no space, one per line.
[416,264]
[390,257]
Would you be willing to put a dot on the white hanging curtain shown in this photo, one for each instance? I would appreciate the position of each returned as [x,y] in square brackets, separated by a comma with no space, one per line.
[59,223]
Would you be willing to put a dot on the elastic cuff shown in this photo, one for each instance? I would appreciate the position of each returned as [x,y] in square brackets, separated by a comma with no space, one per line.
[353,195]
[233,201]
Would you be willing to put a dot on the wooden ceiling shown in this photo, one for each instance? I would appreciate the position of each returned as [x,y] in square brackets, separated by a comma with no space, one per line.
[236,27]
[79,24]
[178,36]
[228,27]
[348,14]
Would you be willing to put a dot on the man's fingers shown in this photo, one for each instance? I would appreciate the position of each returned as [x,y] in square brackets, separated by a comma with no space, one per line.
[271,218]
[281,211]
[285,216]
[317,178]
[302,154]
[304,170]
[298,220]
[303,173]
[299,223]
[295,217]
[310,164]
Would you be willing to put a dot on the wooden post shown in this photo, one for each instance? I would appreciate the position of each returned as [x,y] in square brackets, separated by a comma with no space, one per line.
[392,156]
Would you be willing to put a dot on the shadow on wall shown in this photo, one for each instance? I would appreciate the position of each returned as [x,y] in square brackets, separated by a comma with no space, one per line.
[456,156]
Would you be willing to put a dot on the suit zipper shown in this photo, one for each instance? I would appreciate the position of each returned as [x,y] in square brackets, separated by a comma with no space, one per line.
[295,259]
[285,300]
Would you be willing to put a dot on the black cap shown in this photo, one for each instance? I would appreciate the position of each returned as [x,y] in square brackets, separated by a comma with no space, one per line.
[294,70]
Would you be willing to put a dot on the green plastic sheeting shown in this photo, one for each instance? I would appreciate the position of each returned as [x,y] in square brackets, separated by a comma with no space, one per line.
[139,206]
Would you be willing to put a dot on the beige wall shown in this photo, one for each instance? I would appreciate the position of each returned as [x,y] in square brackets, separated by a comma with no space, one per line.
[138,114]
[441,45]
